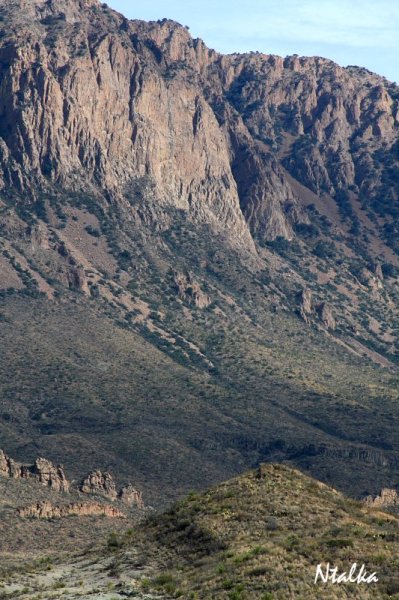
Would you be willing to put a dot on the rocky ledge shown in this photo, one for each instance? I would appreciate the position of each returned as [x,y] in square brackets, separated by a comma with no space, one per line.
[47,510]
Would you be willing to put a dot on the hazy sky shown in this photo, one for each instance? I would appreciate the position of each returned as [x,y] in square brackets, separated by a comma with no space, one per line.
[351,32]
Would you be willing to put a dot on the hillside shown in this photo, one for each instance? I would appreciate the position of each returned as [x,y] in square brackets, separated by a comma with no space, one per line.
[42,512]
[258,536]
[198,268]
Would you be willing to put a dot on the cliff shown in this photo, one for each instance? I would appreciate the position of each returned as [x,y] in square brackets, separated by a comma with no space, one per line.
[93,101]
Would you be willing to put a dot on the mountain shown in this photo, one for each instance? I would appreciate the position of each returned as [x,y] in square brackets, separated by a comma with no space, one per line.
[258,536]
[199,266]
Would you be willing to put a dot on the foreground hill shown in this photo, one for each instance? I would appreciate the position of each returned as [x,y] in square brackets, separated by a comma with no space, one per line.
[198,265]
[258,536]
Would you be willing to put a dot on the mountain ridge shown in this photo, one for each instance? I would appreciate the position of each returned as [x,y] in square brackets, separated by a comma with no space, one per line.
[199,268]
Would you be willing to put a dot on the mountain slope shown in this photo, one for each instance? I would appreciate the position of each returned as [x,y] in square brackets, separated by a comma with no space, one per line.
[198,269]
[260,535]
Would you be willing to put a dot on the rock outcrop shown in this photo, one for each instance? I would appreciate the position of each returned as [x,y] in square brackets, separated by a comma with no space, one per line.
[53,477]
[103,484]
[189,290]
[43,471]
[305,299]
[100,484]
[387,498]
[8,467]
[47,510]
[130,496]
[326,315]
[49,475]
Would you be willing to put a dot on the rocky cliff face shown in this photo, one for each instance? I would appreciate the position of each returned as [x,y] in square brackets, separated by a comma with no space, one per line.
[142,114]
[81,94]
[94,122]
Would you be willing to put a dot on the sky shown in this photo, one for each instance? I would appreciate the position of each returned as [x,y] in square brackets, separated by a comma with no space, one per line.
[351,32]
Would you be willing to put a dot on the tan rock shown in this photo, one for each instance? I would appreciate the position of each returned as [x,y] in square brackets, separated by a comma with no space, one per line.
[388,497]
[8,467]
[43,471]
[189,290]
[305,299]
[47,510]
[99,483]
[130,496]
[326,315]
[47,474]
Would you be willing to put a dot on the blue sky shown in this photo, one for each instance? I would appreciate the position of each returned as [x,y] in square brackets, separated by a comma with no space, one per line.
[351,32]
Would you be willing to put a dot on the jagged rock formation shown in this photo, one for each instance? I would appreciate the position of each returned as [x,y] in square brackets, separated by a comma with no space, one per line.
[306,310]
[190,291]
[231,123]
[104,67]
[47,510]
[326,315]
[305,304]
[103,484]
[130,496]
[8,467]
[99,483]
[43,471]
[387,498]
[49,475]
